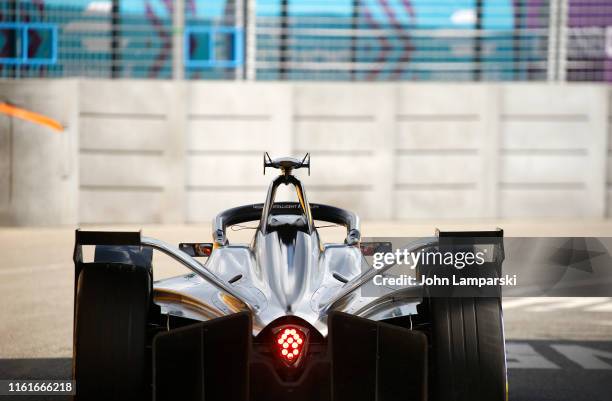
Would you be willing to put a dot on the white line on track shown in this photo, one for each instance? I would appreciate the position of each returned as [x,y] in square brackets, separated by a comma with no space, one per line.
[525,356]
[512,303]
[548,304]
[587,358]
[568,303]
[607,307]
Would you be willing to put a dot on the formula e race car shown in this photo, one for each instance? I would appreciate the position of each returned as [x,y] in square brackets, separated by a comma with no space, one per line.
[280,318]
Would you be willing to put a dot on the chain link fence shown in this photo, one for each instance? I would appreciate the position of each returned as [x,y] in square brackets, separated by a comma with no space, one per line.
[340,40]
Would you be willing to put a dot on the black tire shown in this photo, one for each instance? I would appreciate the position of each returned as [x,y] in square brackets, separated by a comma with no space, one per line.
[110,336]
[468,350]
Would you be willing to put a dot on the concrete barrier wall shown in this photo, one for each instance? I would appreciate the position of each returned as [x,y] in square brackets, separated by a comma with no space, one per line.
[154,152]
[39,175]
[445,151]
[131,156]
[553,151]
[228,128]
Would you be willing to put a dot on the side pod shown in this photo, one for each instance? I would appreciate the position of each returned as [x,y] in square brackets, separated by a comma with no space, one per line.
[204,361]
[376,361]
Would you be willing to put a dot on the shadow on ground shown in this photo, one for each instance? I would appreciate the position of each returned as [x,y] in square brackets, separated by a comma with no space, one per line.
[39,368]
[567,382]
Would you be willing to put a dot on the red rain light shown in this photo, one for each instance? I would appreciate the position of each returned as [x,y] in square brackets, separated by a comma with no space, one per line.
[290,342]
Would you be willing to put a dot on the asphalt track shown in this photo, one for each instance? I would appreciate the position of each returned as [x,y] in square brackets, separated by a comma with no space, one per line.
[557,348]
[538,371]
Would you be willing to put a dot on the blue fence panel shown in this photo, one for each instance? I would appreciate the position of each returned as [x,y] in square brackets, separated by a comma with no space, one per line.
[207,57]
[22,32]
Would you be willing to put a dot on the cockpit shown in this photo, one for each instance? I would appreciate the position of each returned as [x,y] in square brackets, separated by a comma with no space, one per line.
[286,218]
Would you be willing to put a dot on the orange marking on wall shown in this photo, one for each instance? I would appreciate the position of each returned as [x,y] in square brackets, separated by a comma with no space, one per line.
[31,116]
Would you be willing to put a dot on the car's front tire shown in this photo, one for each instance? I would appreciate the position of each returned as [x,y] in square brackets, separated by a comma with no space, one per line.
[468,351]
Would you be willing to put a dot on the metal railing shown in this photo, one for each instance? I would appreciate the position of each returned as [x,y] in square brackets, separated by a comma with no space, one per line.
[347,40]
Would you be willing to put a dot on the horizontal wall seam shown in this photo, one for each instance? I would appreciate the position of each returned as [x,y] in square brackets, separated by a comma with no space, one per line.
[334,152]
[542,185]
[249,188]
[433,118]
[123,116]
[121,188]
[121,152]
[433,152]
[545,117]
[227,188]
[339,188]
[546,152]
[334,118]
[224,153]
[229,117]
[436,186]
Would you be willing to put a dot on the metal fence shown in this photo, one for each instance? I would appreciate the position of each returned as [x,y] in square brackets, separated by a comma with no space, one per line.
[360,40]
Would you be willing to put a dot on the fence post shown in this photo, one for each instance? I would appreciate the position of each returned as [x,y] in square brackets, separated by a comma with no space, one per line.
[178,30]
[478,72]
[283,48]
[115,39]
[250,24]
[239,20]
[562,39]
[557,40]
[355,4]
[553,28]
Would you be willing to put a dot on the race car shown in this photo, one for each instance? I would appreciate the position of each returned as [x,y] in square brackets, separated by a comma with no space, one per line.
[283,317]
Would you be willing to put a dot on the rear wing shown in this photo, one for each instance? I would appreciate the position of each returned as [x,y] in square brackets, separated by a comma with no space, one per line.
[110,238]
[107,237]
[493,238]
[128,238]
[489,243]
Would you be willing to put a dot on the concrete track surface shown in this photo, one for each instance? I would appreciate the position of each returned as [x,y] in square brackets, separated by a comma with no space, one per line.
[558,348]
